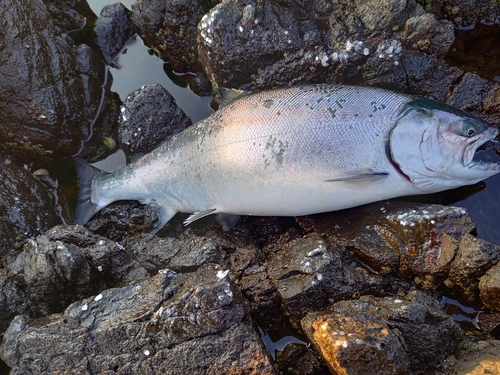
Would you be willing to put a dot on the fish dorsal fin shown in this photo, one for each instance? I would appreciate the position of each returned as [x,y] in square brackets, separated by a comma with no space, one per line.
[230,95]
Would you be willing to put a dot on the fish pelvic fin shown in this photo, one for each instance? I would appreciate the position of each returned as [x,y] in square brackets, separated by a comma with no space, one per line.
[227,221]
[198,215]
[86,174]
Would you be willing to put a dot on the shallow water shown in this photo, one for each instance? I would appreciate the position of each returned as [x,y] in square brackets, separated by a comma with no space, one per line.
[139,67]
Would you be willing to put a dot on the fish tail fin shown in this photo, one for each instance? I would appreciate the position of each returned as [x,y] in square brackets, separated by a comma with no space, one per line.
[85,208]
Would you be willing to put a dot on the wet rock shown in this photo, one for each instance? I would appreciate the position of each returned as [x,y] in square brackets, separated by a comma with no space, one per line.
[474,257]
[68,263]
[490,323]
[491,105]
[405,239]
[67,18]
[424,79]
[470,93]
[383,335]
[168,323]
[49,107]
[476,358]
[296,359]
[113,29]
[310,274]
[27,208]
[119,219]
[13,301]
[261,292]
[424,33]
[430,235]
[169,28]
[355,42]
[148,117]
[182,255]
[489,288]
[463,13]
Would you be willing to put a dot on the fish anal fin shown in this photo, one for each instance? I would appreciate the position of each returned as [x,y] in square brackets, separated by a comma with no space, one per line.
[227,221]
[164,215]
[198,215]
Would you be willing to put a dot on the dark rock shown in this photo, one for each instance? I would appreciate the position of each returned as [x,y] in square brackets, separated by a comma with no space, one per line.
[310,274]
[424,33]
[372,42]
[474,257]
[489,288]
[182,255]
[66,17]
[490,322]
[48,106]
[260,292]
[232,32]
[13,301]
[383,335]
[430,234]
[399,238]
[113,29]
[296,359]
[119,219]
[199,84]
[89,63]
[148,117]
[423,77]
[27,208]
[470,93]
[69,263]
[491,105]
[463,13]
[168,323]
[169,28]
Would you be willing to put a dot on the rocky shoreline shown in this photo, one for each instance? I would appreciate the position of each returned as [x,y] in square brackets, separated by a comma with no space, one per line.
[358,289]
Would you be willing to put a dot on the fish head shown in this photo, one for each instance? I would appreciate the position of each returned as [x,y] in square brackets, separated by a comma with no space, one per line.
[436,145]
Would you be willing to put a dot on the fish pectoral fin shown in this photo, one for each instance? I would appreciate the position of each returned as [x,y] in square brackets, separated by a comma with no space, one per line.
[198,215]
[428,184]
[227,221]
[368,175]
[164,215]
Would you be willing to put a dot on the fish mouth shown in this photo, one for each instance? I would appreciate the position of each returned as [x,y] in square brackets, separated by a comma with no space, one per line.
[484,152]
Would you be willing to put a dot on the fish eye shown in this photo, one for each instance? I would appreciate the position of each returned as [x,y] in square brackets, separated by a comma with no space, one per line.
[469,129]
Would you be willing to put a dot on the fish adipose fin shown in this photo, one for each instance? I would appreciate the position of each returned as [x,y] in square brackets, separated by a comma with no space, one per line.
[86,173]
[198,215]
[227,221]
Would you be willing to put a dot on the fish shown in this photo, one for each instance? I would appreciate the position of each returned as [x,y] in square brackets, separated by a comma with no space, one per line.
[297,151]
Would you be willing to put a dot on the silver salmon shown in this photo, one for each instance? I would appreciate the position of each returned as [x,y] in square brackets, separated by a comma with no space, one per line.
[299,151]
